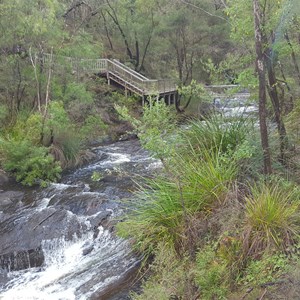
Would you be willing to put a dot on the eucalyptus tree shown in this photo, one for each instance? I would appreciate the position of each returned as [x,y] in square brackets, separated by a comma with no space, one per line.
[25,28]
[191,34]
[260,28]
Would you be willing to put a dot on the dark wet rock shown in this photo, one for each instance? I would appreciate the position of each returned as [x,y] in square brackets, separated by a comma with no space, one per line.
[3,178]
[20,260]
[22,234]
[10,200]
[88,250]
[122,284]
[127,137]
[84,203]
[98,219]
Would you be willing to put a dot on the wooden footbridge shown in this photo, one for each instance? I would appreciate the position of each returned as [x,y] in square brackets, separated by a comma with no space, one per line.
[120,74]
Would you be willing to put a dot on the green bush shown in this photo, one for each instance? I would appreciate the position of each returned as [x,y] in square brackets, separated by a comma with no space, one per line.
[154,129]
[271,220]
[92,128]
[4,113]
[267,269]
[61,135]
[194,185]
[218,134]
[30,164]
[211,275]
[171,278]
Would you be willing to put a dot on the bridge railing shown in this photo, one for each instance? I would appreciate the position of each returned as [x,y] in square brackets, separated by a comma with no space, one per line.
[129,69]
[145,85]
[126,75]
[76,64]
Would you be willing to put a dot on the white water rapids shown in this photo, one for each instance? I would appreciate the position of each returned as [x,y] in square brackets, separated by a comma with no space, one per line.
[66,270]
[84,266]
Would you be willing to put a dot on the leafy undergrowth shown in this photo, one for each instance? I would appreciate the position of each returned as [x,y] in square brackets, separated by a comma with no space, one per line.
[212,236]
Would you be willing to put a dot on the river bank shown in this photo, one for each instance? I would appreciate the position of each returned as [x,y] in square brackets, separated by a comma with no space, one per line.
[59,242]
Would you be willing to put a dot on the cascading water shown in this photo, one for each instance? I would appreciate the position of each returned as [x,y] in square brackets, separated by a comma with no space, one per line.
[71,228]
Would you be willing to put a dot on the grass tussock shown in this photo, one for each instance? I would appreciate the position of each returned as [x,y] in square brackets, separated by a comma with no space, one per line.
[219,235]
[167,204]
[271,220]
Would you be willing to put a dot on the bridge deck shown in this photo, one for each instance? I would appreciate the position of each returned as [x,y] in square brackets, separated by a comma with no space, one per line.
[117,72]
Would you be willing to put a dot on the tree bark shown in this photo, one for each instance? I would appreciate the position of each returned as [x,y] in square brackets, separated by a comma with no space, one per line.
[293,55]
[106,30]
[272,90]
[115,19]
[260,68]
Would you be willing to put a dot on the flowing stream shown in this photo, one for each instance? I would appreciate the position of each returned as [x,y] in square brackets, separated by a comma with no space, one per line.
[59,243]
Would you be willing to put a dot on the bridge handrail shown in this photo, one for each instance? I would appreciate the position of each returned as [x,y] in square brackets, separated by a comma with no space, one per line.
[130,70]
[145,85]
[116,68]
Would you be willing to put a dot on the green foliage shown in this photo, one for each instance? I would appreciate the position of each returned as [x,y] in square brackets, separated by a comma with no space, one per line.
[77,92]
[96,176]
[171,277]
[194,96]
[154,128]
[211,275]
[197,179]
[131,103]
[227,138]
[271,220]
[32,128]
[267,269]
[65,138]
[93,127]
[29,163]
[3,114]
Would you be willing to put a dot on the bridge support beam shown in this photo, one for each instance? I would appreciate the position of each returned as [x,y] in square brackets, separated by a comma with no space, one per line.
[169,99]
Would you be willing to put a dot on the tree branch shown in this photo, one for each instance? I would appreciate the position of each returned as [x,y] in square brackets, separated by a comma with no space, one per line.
[205,11]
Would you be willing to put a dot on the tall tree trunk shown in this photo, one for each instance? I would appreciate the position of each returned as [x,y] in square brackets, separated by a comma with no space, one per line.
[293,55]
[106,30]
[262,89]
[272,90]
[289,105]
[137,52]
[115,19]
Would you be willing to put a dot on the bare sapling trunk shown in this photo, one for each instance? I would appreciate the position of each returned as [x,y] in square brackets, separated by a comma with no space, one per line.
[33,62]
[260,68]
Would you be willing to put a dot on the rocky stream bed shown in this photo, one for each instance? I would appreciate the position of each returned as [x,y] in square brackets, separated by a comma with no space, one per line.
[59,242]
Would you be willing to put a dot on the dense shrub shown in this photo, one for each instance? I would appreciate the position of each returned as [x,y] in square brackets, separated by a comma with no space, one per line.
[30,164]
[211,275]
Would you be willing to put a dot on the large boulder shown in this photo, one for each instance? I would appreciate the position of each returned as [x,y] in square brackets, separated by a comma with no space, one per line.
[3,178]
[10,200]
[22,234]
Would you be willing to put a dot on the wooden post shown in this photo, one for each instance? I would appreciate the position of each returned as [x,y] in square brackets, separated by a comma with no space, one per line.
[169,99]
[107,76]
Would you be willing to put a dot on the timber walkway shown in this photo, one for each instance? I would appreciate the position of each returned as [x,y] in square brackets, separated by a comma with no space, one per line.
[120,74]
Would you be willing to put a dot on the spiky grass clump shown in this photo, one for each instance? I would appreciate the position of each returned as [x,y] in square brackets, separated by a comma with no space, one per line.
[164,207]
[218,134]
[197,180]
[271,220]
[66,148]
